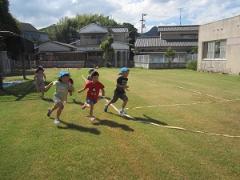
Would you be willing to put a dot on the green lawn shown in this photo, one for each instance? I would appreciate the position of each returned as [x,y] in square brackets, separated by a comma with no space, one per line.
[32,147]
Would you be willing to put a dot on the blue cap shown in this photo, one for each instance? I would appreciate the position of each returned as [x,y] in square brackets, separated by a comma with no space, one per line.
[124,69]
[63,73]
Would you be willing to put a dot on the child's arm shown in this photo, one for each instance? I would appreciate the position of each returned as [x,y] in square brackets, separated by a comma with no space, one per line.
[103,93]
[44,75]
[123,86]
[80,91]
[35,77]
[48,86]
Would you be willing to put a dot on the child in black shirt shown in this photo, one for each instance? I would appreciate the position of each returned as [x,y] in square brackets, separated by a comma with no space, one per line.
[120,90]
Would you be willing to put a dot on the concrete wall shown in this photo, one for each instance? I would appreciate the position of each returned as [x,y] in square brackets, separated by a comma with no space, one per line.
[228,29]
[159,61]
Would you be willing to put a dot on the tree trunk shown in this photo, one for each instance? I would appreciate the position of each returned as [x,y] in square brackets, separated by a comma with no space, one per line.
[1,75]
[23,66]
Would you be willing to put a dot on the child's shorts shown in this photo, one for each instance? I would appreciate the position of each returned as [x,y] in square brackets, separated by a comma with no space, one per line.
[91,101]
[118,95]
[57,100]
[40,85]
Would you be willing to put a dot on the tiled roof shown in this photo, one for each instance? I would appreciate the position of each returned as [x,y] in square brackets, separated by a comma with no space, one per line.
[120,30]
[64,44]
[178,28]
[157,42]
[27,27]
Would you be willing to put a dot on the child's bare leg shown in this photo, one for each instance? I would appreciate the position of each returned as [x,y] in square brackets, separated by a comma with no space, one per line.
[60,108]
[124,104]
[91,110]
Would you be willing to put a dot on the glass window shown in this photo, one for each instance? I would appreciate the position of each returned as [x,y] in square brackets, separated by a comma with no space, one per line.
[214,50]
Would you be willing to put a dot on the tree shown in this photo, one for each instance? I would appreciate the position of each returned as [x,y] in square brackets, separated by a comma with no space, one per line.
[133,34]
[7,22]
[66,30]
[170,54]
[106,46]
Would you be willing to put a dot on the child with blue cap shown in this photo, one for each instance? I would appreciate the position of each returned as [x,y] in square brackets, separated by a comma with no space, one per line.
[120,90]
[60,95]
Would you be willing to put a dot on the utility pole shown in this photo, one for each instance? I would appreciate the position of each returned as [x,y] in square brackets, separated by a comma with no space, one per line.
[180,16]
[142,22]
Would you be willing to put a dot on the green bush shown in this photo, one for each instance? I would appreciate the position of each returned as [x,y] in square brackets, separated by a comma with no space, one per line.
[192,65]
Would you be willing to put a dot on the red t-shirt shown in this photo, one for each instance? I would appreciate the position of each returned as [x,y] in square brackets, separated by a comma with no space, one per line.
[93,89]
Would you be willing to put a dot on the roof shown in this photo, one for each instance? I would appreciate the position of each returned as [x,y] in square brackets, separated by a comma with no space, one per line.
[75,42]
[27,27]
[64,44]
[120,30]
[178,28]
[93,28]
[157,42]
[117,45]
[60,43]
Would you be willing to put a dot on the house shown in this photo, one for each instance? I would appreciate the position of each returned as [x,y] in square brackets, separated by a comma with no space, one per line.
[57,54]
[91,37]
[29,32]
[16,52]
[219,46]
[149,51]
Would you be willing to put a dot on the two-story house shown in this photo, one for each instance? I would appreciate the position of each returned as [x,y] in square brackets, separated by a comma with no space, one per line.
[91,37]
[29,32]
[149,51]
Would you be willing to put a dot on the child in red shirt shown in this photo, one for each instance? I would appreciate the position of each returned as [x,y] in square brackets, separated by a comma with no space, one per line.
[93,87]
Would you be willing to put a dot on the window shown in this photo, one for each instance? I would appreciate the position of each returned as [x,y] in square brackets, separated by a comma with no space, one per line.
[214,50]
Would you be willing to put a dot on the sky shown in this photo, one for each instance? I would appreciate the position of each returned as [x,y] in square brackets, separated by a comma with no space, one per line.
[42,13]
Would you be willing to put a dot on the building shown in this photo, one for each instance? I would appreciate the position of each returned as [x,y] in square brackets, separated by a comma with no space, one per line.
[29,32]
[57,54]
[219,46]
[16,53]
[149,51]
[91,37]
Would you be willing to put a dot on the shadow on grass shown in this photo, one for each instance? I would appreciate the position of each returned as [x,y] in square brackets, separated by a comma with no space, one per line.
[76,102]
[112,124]
[76,127]
[21,90]
[145,119]
[47,99]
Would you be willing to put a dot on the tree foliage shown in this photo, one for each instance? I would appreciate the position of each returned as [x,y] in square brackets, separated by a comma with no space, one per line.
[66,30]
[106,46]
[170,54]
[7,22]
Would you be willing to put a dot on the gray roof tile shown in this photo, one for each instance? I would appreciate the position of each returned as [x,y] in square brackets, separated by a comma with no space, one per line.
[157,42]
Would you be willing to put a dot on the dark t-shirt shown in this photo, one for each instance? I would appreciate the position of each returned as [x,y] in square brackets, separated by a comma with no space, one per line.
[121,81]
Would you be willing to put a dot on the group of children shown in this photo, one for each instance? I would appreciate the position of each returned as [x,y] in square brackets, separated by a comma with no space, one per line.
[64,86]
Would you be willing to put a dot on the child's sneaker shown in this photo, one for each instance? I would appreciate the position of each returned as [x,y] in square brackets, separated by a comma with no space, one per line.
[92,118]
[106,108]
[49,112]
[56,121]
[122,113]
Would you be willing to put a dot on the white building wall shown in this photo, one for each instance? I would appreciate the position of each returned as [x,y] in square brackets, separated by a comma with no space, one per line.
[229,30]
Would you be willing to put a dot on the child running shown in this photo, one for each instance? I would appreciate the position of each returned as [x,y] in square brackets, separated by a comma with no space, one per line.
[91,70]
[120,90]
[40,79]
[93,87]
[60,95]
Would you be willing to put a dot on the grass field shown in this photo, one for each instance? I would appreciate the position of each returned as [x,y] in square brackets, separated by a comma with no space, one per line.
[32,147]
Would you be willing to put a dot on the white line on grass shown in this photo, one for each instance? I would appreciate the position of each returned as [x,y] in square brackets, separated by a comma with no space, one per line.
[172,127]
[185,104]
[198,92]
